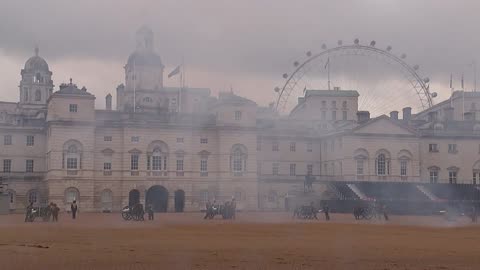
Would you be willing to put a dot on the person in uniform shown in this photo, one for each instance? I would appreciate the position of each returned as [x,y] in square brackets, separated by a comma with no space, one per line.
[150,211]
[384,210]
[74,208]
[29,212]
[234,208]
[208,208]
[55,211]
[326,210]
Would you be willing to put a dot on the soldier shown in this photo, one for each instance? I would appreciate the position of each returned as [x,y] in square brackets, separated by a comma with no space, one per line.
[55,211]
[28,213]
[208,208]
[326,210]
[234,208]
[150,211]
[384,210]
[74,209]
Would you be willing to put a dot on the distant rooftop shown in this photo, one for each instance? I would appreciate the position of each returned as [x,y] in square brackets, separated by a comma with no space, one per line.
[332,93]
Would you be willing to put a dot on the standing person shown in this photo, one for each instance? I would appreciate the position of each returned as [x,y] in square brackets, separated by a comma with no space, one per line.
[234,208]
[29,212]
[384,209]
[326,210]
[55,211]
[74,209]
[150,212]
[208,208]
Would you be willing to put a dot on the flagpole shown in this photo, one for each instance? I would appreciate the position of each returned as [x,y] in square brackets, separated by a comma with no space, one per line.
[328,72]
[474,76]
[134,88]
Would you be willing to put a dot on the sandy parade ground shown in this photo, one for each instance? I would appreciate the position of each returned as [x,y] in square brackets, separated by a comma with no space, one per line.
[252,241]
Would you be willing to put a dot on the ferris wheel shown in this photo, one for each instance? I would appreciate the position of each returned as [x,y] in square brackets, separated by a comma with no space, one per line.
[384,80]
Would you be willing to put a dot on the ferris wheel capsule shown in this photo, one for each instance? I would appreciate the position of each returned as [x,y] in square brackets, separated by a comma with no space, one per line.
[416,67]
[372,43]
[356,41]
[403,56]
[309,53]
[340,43]
[434,94]
[426,80]
[295,64]
[276,89]
[285,75]
[324,47]
[389,48]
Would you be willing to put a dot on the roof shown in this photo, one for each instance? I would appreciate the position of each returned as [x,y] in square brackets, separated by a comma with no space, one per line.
[36,63]
[72,89]
[332,93]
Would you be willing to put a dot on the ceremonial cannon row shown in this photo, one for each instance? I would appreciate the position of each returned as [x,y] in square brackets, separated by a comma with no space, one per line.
[135,212]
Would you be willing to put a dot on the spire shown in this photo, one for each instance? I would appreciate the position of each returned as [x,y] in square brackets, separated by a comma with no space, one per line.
[36,50]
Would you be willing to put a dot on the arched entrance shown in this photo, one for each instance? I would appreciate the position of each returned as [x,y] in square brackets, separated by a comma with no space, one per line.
[157,196]
[133,197]
[107,200]
[179,200]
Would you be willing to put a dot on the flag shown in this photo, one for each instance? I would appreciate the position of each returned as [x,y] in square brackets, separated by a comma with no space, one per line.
[328,63]
[174,72]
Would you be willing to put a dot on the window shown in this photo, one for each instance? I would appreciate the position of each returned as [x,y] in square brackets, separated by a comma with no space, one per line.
[26,94]
[310,169]
[32,196]
[179,140]
[30,140]
[334,115]
[324,115]
[324,104]
[238,115]
[275,146]
[237,162]
[179,167]
[452,148]
[309,147]
[147,100]
[72,163]
[107,168]
[38,95]
[292,147]
[135,139]
[275,168]
[238,159]
[359,166]
[156,162]
[476,177]
[73,108]
[203,167]
[334,104]
[203,140]
[259,143]
[403,167]
[107,138]
[134,162]
[344,115]
[452,177]
[7,165]
[7,140]
[381,165]
[344,105]
[272,196]
[433,147]
[292,169]
[29,165]
[433,176]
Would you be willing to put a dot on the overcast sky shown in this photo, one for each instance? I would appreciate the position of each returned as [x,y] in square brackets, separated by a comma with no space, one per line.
[246,45]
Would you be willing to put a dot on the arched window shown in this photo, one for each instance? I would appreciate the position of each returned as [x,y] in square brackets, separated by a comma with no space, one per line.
[71,194]
[38,95]
[72,156]
[238,159]
[381,165]
[32,196]
[157,157]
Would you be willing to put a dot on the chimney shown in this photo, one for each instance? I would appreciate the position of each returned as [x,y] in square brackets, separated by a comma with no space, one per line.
[448,113]
[394,115]
[108,102]
[407,113]
[432,116]
[363,116]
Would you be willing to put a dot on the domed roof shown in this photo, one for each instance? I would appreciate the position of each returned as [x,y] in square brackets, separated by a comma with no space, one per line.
[36,63]
[145,58]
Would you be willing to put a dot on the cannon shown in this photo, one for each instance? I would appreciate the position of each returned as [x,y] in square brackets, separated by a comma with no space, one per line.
[135,212]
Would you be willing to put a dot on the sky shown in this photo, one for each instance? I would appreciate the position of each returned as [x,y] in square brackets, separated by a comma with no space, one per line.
[244,46]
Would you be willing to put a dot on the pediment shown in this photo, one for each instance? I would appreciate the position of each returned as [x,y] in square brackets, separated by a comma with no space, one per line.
[135,151]
[383,125]
[107,151]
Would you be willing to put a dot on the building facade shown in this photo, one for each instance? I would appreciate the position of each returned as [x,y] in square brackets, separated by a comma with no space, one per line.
[178,147]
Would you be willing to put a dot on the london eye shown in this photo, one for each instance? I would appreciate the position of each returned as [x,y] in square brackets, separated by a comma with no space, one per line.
[384,80]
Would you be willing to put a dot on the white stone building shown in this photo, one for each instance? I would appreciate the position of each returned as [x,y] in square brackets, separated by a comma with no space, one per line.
[179,147]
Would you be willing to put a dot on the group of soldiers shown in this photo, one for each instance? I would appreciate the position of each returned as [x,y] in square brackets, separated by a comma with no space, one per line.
[226,210]
[310,211]
[374,210]
[47,213]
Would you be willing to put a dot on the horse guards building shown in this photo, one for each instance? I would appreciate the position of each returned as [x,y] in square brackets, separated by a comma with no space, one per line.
[178,147]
